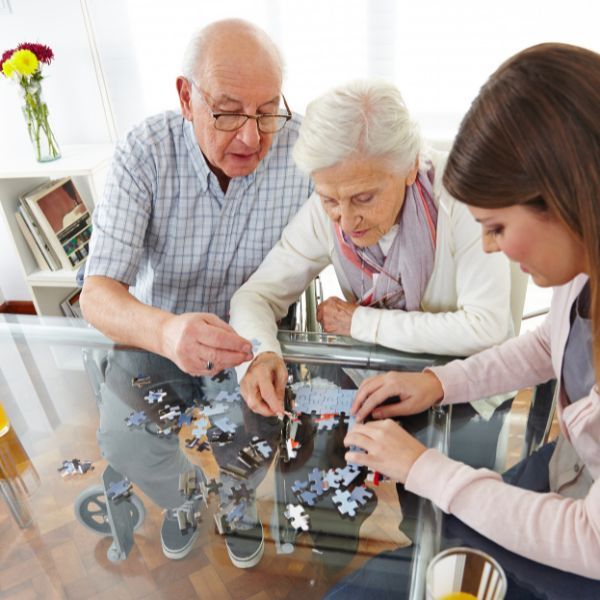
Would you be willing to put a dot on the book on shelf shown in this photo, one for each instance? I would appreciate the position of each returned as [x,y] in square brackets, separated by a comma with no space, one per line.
[40,248]
[70,305]
[63,220]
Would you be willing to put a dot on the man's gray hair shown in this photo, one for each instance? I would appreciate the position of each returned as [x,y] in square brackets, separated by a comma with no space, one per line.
[199,41]
[363,118]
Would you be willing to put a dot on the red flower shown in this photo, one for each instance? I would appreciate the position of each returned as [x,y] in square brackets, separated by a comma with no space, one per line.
[5,57]
[44,53]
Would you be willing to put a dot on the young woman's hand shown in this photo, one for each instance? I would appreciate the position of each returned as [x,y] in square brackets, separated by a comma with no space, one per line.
[416,392]
[388,448]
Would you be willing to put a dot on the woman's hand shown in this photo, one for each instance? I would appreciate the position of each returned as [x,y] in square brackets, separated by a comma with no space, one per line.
[388,448]
[335,316]
[416,391]
[263,385]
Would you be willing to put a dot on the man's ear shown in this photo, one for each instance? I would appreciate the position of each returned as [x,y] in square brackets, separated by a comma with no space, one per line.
[411,176]
[184,91]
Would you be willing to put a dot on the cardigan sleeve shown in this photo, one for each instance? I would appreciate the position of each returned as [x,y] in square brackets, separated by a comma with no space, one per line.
[560,532]
[481,316]
[299,256]
[517,363]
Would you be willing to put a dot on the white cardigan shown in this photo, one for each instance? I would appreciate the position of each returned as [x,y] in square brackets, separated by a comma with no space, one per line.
[465,308]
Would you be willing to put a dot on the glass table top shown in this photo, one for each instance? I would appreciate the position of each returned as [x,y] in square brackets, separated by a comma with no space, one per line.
[116,459]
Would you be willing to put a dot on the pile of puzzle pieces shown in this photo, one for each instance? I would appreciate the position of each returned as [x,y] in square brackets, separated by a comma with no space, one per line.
[339,482]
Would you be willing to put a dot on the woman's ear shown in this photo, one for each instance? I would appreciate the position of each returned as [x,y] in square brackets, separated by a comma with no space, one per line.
[411,176]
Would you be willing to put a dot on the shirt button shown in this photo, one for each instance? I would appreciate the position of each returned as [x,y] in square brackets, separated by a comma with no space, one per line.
[576,468]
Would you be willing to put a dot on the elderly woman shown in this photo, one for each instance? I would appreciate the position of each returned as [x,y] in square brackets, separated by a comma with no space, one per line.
[408,256]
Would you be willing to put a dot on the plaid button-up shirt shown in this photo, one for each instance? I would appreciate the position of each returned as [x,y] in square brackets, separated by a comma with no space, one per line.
[165,228]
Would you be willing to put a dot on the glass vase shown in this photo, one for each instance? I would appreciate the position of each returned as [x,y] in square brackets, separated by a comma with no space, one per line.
[35,111]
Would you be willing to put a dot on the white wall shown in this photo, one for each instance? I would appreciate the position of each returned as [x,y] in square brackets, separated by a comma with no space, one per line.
[70,89]
[437,52]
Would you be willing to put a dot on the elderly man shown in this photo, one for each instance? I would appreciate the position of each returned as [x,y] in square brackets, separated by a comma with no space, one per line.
[193,203]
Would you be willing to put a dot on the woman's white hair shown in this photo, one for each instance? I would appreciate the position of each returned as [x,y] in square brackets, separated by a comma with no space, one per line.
[363,118]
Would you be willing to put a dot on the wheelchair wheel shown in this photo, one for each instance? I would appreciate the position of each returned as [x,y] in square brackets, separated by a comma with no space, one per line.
[90,510]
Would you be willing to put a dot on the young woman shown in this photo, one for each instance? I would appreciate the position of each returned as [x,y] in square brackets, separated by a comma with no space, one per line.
[527,162]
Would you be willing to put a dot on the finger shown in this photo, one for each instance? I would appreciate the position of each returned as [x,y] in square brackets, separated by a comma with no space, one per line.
[398,409]
[269,395]
[222,359]
[281,382]
[359,437]
[365,389]
[223,339]
[361,458]
[255,401]
[375,398]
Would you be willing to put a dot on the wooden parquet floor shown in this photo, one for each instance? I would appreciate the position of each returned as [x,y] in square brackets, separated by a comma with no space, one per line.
[57,557]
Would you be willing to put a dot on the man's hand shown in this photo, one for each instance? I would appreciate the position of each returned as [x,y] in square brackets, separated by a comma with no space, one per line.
[389,448]
[263,386]
[197,341]
[417,392]
[335,316]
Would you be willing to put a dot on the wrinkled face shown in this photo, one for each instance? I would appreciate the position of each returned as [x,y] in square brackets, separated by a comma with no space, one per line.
[363,196]
[232,82]
[538,241]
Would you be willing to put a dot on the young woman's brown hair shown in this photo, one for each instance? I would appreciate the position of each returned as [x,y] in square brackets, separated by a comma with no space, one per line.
[532,137]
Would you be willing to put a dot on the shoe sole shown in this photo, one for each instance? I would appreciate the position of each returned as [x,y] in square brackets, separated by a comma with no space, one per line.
[183,552]
[251,561]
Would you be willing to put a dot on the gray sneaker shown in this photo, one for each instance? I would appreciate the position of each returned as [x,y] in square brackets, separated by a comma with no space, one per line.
[176,544]
[246,548]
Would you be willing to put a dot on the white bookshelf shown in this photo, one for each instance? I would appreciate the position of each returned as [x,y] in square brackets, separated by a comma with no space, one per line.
[87,165]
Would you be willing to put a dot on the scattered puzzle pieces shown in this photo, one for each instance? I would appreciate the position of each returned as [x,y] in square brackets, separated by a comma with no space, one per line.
[333,479]
[308,497]
[214,409]
[344,503]
[136,419]
[75,467]
[241,493]
[319,487]
[262,447]
[298,519]
[225,425]
[154,396]
[169,413]
[348,474]
[224,396]
[361,495]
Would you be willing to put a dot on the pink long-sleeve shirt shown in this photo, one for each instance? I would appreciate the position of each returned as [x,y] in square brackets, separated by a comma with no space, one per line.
[549,528]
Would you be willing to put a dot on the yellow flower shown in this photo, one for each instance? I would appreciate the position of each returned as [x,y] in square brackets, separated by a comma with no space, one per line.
[8,68]
[25,62]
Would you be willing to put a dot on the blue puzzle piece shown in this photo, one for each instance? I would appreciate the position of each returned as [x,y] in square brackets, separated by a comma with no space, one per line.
[308,497]
[136,419]
[184,419]
[316,477]
[361,494]
[299,486]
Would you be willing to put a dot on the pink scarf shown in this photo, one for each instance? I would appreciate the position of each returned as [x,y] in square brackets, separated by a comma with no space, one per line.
[399,279]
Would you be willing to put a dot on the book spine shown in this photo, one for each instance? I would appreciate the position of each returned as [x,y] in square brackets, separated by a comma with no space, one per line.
[33,246]
[40,239]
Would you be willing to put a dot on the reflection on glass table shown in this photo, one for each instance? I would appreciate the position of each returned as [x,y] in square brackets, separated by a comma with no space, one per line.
[71,394]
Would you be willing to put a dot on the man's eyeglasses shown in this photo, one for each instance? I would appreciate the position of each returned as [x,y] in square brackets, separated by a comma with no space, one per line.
[266,123]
